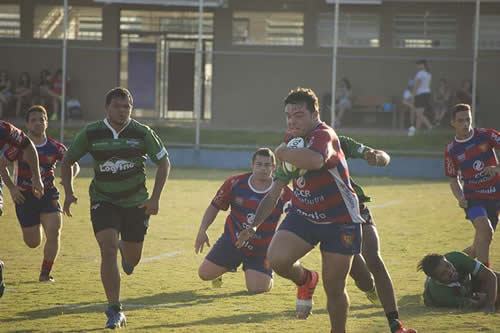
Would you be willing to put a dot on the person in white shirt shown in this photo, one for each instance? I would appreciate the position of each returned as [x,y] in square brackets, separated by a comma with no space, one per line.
[422,93]
[408,101]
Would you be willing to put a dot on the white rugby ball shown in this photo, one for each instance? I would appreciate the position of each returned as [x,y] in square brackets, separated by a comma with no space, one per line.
[295,143]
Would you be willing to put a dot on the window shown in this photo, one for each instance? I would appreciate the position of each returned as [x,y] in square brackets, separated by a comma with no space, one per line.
[84,23]
[266,28]
[355,30]
[10,21]
[489,32]
[175,25]
[425,31]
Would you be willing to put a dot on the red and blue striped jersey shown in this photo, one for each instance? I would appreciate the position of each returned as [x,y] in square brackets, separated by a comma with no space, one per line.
[469,157]
[326,195]
[238,193]
[12,136]
[48,154]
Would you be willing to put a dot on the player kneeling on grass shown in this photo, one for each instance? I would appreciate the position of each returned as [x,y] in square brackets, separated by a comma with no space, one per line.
[455,280]
[242,193]
[370,261]
[120,207]
[34,213]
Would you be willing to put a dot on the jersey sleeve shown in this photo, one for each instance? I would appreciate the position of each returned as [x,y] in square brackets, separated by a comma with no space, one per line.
[224,195]
[450,166]
[284,200]
[352,148]
[443,296]
[282,175]
[13,153]
[61,150]
[78,148]
[464,263]
[154,147]
[13,136]
[321,141]
[493,137]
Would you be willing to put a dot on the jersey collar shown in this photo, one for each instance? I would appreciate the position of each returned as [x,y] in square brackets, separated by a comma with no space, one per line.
[466,139]
[254,189]
[115,133]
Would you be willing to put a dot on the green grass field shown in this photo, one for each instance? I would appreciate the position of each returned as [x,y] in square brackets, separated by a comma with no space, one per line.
[165,294]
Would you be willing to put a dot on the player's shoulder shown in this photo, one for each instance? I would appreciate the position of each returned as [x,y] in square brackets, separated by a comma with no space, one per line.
[55,143]
[95,125]
[138,126]
[323,130]
[238,178]
[449,147]
[456,256]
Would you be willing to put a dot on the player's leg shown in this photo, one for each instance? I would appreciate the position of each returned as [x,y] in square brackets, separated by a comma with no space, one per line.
[52,223]
[28,215]
[293,240]
[32,236]
[222,257]
[134,226]
[258,274]
[477,213]
[106,223]
[2,282]
[361,274]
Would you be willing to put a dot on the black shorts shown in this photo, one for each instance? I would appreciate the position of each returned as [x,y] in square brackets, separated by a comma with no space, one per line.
[28,213]
[131,222]
[366,214]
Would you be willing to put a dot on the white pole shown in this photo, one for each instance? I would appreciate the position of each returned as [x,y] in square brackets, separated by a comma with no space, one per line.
[474,64]
[198,75]
[334,60]
[64,56]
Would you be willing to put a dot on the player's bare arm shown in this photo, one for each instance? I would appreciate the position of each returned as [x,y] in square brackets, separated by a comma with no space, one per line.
[489,285]
[376,157]
[302,158]
[15,192]
[456,189]
[30,155]
[67,182]
[202,236]
[152,205]
[265,208]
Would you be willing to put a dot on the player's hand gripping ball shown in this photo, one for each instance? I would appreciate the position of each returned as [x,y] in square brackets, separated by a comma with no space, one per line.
[289,167]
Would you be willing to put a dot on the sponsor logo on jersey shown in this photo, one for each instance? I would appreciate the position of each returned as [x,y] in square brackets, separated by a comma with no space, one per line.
[461,157]
[478,165]
[301,182]
[484,147]
[115,165]
[133,143]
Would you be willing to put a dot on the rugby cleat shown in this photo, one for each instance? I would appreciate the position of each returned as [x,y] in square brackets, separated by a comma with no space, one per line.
[2,283]
[217,282]
[400,328]
[46,278]
[304,303]
[116,319]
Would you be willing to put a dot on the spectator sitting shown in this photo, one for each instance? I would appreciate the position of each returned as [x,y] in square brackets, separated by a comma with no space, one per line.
[23,92]
[5,91]
[343,100]
[442,101]
[48,97]
[456,280]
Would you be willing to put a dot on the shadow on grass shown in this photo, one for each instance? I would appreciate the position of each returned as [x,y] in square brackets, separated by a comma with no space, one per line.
[178,299]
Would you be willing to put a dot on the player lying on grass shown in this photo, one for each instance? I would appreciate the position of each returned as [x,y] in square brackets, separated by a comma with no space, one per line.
[35,214]
[324,210]
[242,193]
[120,205]
[370,261]
[470,159]
[456,280]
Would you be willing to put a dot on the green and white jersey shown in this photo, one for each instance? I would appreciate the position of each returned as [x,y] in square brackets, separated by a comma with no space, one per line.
[119,160]
[354,149]
[455,294]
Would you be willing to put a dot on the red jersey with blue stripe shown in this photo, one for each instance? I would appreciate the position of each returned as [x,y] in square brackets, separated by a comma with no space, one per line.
[469,157]
[326,195]
[12,136]
[238,193]
[48,154]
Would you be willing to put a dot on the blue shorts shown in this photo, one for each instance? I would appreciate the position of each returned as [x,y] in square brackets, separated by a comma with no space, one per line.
[225,254]
[487,208]
[335,238]
[28,213]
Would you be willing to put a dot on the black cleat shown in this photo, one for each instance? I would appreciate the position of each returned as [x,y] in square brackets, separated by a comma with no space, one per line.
[2,283]
[116,319]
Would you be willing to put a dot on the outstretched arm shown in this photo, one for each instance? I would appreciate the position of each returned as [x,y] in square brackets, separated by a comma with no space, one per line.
[153,203]
[207,220]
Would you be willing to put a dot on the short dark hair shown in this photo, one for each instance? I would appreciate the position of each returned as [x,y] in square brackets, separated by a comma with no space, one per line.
[303,95]
[429,263]
[118,92]
[266,152]
[459,108]
[423,62]
[36,108]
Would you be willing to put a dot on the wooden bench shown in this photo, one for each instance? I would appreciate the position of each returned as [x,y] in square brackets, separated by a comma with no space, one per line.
[369,110]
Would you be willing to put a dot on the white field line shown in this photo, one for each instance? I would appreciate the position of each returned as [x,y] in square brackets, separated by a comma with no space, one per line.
[161,256]
[386,204]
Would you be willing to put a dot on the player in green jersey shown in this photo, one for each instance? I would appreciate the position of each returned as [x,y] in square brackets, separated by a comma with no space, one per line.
[120,206]
[458,281]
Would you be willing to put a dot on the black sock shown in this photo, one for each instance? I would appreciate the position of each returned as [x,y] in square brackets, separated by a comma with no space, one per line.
[393,319]
[117,307]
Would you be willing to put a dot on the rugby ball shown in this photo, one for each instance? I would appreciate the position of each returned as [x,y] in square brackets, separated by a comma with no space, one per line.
[294,144]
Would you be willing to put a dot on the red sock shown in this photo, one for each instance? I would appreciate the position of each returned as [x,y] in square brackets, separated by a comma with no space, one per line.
[47,266]
[305,278]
